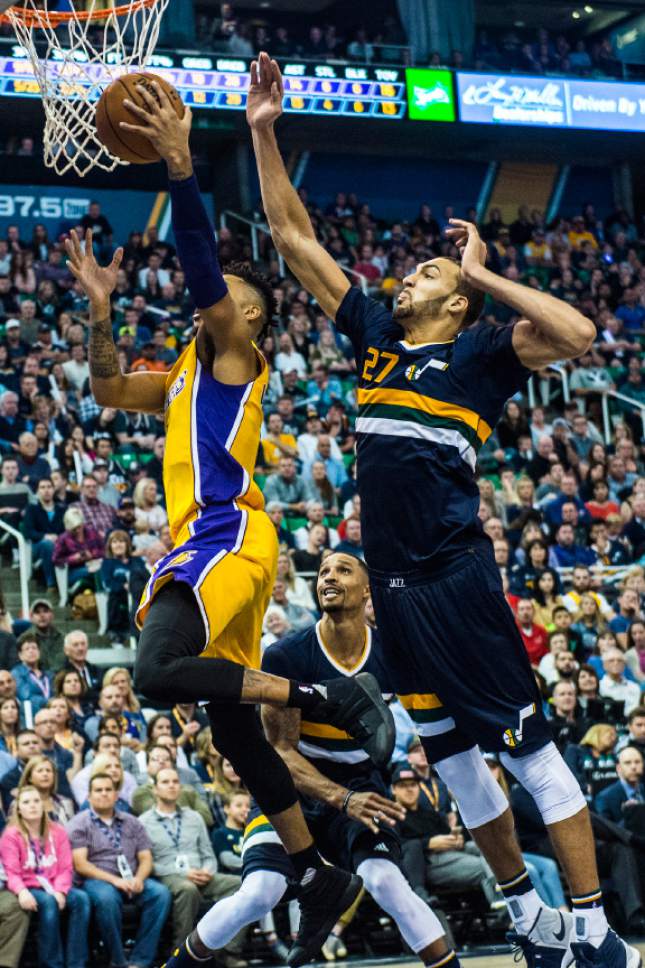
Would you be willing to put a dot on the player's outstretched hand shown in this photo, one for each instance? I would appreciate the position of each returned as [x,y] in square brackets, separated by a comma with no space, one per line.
[264,101]
[98,282]
[375,811]
[158,122]
[471,248]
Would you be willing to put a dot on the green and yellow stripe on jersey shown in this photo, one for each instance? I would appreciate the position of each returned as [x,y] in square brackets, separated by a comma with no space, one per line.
[428,713]
[406,413]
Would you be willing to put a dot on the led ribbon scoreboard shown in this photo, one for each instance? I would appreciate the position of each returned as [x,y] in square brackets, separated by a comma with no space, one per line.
[221,83]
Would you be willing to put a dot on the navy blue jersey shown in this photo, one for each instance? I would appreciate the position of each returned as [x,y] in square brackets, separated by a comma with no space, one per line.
[424,411]
[305,657]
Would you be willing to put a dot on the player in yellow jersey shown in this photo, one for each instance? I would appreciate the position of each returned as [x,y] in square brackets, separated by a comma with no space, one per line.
[203,607]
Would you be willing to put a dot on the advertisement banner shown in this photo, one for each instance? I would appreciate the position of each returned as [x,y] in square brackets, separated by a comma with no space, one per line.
[550,102]
[507,99]
[430,95]
[59,209]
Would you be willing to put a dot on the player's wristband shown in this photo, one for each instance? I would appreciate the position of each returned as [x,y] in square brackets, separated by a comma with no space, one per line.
[196,245]
[348,797]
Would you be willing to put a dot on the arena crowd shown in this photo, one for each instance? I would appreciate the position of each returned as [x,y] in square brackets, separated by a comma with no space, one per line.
[91,783]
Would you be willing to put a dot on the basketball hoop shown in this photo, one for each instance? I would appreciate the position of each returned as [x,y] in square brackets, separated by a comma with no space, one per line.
[74,56]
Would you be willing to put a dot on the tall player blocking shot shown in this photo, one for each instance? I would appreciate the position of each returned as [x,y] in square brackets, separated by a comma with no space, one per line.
[432,385]
[202,610]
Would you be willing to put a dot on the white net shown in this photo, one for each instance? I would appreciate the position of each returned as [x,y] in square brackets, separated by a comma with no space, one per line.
[74,59]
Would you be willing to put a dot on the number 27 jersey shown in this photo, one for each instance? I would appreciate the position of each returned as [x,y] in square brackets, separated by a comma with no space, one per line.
[424,411]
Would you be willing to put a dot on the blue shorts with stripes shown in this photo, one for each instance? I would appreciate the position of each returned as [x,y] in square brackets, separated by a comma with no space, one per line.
[457,660]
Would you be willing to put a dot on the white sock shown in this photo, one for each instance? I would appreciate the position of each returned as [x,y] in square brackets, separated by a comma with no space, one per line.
[591,924]
[524,906]
[259,894]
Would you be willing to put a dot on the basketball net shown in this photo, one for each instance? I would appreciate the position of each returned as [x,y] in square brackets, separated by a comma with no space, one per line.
[74,56]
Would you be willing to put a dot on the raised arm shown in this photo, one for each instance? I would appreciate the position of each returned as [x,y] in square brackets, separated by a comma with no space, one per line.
[144,392]
[549,330]
[223,318]
[289,222]
[282,728]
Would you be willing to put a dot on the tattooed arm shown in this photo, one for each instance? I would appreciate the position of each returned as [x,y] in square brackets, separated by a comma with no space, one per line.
[111,388]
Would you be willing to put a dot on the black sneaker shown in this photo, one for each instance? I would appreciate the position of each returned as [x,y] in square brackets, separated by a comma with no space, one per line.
[328,893]
[356,705]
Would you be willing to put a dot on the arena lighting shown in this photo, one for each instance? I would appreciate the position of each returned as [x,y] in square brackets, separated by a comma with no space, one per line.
[576,15]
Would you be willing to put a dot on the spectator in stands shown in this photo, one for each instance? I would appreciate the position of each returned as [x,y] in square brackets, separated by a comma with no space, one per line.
[615,801]
[108,743]
[434,855]
[589,622]
[535,637]
[27,745]
[582,584]
[187,719]
[33,684]
[297,616]
[31,467]
[136,724]
[568,723]
[80,548]
[184,861]
[309,558]
[112,854]
[14,497]
[614,685]
[286,488]
[124,783]
[546,598]
[49,638]
[276,515]
[227,840]
[593,761]
[68,763]
[14,925]
[41,773]
[118,568]
[97,516]
[635,654]
[43,522]
[75,648]
[9,724]
[298,590]
[37,860]
[276,443]
[634,530]
[352,543]
[158,758]
[111,703]
[566,553]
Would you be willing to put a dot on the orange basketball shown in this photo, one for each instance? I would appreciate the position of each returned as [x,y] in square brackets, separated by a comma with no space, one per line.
[110,111]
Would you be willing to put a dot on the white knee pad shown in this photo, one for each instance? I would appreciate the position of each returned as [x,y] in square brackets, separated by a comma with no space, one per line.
[479,797]
[418,924]
[258,894]
[548,779]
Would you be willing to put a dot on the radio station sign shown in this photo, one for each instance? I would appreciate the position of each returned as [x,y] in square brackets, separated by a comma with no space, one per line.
[550,102]
[430,95]
[356,91]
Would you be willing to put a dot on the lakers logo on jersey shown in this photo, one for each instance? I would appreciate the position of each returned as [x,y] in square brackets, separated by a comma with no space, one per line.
[181,559]
[176,388]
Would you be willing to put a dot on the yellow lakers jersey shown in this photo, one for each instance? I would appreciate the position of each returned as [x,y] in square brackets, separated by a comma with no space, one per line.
[212,439]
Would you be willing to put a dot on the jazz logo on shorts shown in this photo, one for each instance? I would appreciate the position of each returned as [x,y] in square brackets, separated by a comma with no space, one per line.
[513,737]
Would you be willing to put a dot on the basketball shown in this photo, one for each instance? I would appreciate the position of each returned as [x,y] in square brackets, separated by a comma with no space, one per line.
[110,111]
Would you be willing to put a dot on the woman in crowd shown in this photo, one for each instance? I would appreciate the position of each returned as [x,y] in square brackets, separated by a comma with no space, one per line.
[512,426]
[593,761]
[311,557]
[492,498]
[118,567]
[546,598]
[606,640]
[79,547]
[148,513]
[120,677]
[588,686]
[41,773]
[298,590]
[33,684]
[37,858]
[21,273]
[524,577]
[543,871]
[635,654]
[9,725]
[320,488]
[65,732]
[72,687]
[275,626]
[589,623]
[517,512]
